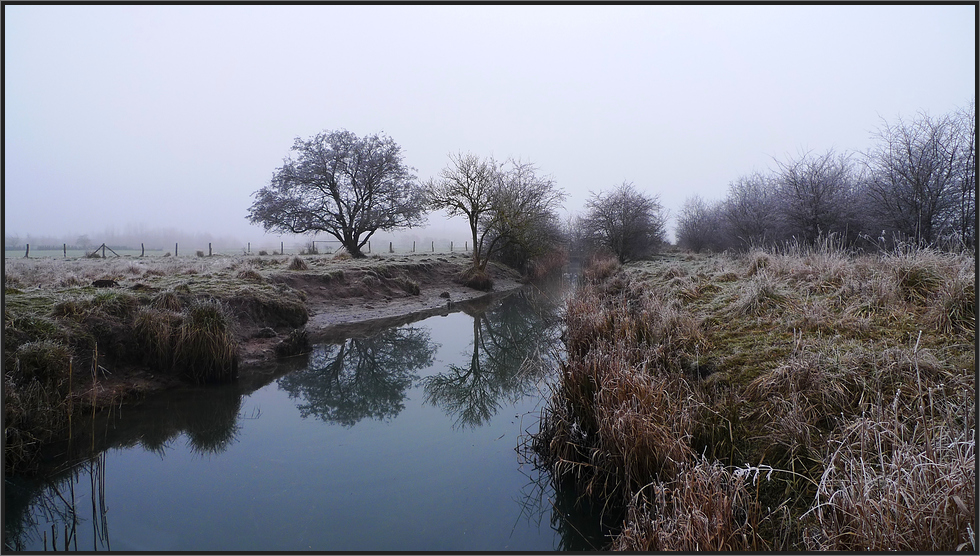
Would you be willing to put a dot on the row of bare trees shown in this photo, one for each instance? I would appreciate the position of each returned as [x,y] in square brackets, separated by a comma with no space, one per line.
[916,184]
[350,187]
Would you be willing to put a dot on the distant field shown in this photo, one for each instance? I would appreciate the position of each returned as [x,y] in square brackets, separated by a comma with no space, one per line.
[376,249]
[77,253]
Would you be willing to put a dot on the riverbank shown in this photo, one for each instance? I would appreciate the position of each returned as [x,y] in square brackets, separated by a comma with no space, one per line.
[162,322]
[797,400]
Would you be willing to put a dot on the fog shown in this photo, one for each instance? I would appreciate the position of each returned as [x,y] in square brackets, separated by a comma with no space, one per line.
[165,119]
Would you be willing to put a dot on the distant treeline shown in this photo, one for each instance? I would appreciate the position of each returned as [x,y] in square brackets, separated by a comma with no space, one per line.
[917,184]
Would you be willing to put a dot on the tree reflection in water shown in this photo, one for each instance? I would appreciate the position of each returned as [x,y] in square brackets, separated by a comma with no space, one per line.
[361,377]
[509,345]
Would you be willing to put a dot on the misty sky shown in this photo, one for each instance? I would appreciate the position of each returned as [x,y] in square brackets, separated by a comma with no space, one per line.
[172,116]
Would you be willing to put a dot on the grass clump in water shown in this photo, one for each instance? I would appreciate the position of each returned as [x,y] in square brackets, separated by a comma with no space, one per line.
[205,350]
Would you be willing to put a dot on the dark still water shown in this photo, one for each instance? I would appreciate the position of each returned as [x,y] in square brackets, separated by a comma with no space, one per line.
[402,439]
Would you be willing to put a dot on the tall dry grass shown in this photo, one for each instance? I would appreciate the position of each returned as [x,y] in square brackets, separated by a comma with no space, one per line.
[852,376]
[891,484]
[708,507]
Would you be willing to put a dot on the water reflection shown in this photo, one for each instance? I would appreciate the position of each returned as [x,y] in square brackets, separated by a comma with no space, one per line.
[48,509]
[60,502]
[372,377]
[505,360]
[361,377]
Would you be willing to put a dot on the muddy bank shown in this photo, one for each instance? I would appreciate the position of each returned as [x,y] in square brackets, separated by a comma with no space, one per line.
[372,294]
[58,304]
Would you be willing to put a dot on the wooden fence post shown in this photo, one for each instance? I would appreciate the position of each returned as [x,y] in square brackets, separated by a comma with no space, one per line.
[433,246]
[390,248]
[450,247]
[103,250]
[142,250]
[413,246]
[282,250]
[28,252]
[209,248]
[369,247]
[175,249]
[250,247]
[65,247]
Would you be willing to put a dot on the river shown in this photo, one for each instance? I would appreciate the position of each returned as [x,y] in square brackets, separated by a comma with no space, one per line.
[404,439]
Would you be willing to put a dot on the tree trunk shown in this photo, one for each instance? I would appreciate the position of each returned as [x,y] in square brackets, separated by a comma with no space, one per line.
[353,249]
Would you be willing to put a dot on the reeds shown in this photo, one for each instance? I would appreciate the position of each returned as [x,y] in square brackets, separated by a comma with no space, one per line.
[708,507]
[599,267]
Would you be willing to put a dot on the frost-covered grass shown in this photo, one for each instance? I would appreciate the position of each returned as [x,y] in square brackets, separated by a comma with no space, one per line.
[794,399]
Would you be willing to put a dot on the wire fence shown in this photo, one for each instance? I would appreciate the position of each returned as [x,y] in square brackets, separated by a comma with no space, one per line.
[317,247]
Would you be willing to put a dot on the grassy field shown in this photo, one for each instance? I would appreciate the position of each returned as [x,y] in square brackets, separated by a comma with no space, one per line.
[793,400]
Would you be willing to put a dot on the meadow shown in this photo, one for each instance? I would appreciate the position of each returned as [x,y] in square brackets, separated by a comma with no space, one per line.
[790,399]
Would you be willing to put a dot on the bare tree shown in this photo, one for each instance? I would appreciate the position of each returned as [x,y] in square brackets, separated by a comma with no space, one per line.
[696,225]
[815,195]
[966,174]
[523,223]
[508,206]
[749,210]
[342,185]
[627,222]
[466,188]
[913,174]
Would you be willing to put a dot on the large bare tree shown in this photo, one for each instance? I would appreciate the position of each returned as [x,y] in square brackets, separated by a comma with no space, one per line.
[523,223]
[507,205]
[625,221]
[342,185]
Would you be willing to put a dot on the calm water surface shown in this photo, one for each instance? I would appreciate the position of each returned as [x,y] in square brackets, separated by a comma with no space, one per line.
[404,439]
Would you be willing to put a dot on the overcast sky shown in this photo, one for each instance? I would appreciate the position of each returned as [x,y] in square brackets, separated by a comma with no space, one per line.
[172,116]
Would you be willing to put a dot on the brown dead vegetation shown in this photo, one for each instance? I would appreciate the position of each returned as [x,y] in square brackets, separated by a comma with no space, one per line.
[795,400]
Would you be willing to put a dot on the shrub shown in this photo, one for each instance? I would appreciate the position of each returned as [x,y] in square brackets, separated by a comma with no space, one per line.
[298,264]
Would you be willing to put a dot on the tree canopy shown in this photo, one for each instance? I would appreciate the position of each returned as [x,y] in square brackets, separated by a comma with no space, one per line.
[509,206]
[342,185]
[625,221]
